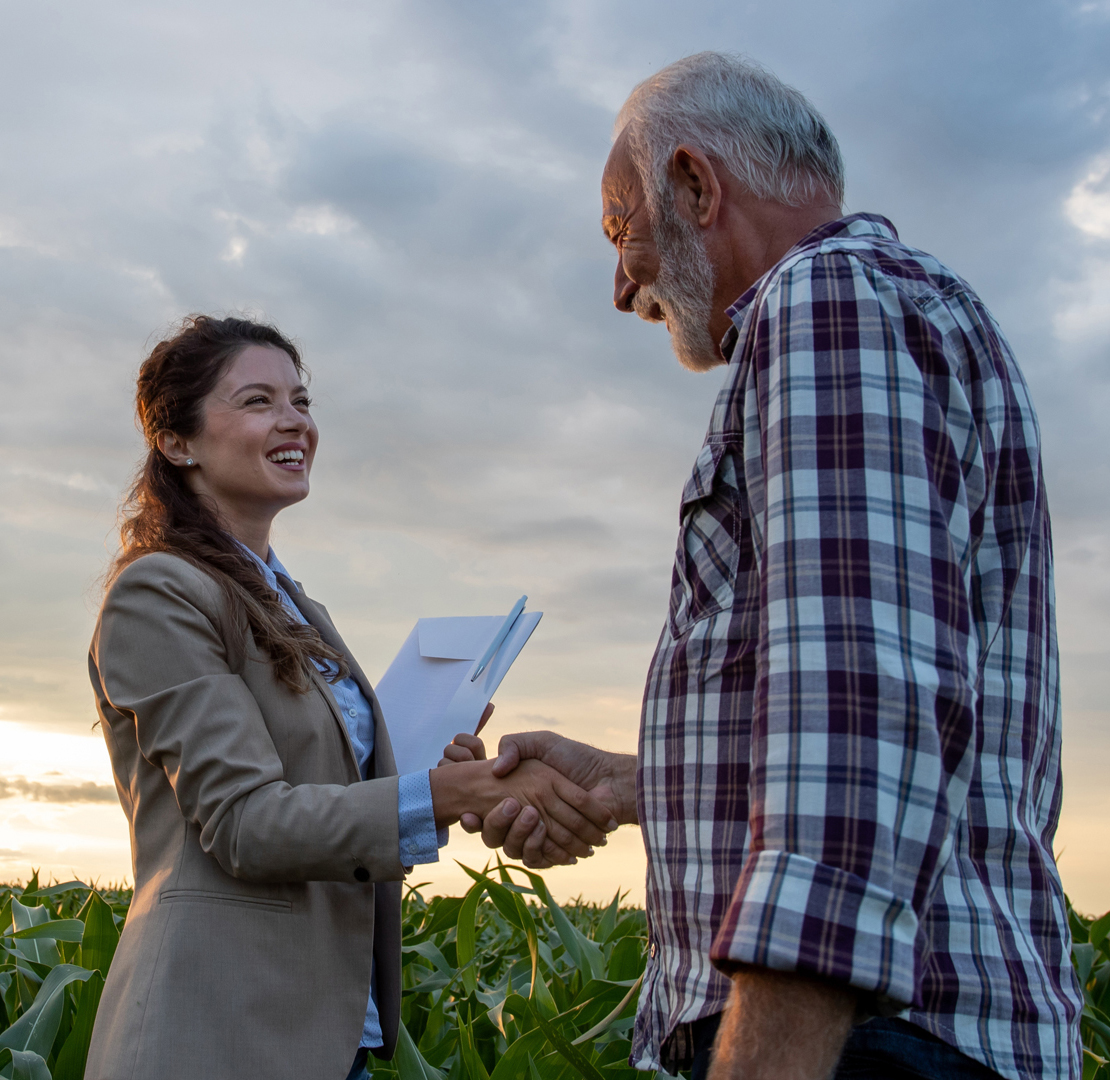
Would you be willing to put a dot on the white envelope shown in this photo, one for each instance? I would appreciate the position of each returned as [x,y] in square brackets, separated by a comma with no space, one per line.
[426,694]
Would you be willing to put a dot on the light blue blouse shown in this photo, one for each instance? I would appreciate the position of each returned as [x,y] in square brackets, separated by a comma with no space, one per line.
[420,840]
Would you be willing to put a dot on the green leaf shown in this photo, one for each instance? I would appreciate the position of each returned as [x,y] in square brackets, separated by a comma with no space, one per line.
[506,903]
[56,929]
[75,1050]
[603,1025]
[40,950]
[409,1061]
[541,995]
[1083,957]
[1099,929]
[442,913]
[32,886]
[25,1065]
[54,890]
[512,1064]
[37,1028]
[471,1059]
[584,953]
[465,935]
[427,950]
[608,921]
[577,1058]
[101,936]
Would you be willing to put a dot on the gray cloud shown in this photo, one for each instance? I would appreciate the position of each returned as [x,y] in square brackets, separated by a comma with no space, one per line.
[56,791]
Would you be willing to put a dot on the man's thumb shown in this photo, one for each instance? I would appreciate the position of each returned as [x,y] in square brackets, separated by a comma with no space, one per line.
[508,756]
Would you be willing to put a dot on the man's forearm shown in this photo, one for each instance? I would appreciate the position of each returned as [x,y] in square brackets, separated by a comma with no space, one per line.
[781,1026]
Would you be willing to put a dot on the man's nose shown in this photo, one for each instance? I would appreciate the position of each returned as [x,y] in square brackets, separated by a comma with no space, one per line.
[624,289]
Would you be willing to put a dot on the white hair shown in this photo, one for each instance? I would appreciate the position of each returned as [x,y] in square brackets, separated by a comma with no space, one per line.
[764,132]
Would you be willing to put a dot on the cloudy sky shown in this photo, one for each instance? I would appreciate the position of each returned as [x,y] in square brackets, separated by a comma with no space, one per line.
[410,190]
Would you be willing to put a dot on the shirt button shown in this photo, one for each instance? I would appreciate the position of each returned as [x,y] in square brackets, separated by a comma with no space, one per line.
[352,712]
[651,950]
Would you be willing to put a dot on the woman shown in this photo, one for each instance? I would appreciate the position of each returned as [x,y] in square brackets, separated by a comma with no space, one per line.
[269,831]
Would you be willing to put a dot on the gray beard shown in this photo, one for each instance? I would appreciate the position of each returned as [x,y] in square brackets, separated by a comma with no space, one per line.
[683,289]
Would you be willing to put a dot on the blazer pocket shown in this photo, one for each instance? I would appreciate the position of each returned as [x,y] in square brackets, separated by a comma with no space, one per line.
[200,896]
[711,539]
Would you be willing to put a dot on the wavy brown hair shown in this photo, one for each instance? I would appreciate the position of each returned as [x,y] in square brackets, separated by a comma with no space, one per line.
[162,513]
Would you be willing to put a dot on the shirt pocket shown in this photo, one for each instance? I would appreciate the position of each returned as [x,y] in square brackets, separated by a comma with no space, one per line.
[712,538]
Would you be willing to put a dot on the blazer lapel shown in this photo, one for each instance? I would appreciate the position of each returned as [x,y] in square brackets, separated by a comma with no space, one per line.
[382,762]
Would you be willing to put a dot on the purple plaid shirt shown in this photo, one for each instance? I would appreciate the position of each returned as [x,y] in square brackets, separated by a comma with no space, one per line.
[850,744]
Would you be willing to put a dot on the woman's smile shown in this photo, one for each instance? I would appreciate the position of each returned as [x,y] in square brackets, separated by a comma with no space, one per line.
[288,456]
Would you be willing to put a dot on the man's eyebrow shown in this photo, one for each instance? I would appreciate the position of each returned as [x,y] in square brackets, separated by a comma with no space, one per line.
[609,224]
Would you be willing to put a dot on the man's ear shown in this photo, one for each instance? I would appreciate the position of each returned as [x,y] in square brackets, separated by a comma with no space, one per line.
[697,189]
[174,449]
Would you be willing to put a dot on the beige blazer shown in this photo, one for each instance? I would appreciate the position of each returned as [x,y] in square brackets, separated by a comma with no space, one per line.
[267,874]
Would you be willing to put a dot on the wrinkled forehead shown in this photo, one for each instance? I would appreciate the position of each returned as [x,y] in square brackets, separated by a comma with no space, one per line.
[621,188]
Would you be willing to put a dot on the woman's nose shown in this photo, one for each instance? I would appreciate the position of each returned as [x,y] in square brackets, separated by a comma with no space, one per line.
[292,419]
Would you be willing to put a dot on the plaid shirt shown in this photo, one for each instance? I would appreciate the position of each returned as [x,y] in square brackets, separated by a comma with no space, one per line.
[850,744]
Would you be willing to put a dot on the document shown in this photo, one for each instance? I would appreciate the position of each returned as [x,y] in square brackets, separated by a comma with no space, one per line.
[430,693]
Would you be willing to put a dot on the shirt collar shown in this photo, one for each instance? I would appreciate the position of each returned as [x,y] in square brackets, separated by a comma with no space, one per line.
[853,225]
[270,568]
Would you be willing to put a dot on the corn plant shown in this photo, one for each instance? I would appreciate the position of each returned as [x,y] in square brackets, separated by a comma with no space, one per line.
[57,946]
[1090,954]
[504,983]
[499,984]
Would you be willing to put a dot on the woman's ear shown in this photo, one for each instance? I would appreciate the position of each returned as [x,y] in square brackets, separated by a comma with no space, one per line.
[175,450]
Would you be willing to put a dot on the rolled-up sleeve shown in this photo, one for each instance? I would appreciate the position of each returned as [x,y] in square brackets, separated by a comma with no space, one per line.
[868,474]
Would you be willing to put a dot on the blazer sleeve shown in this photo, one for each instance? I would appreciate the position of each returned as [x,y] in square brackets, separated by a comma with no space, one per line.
[161,654]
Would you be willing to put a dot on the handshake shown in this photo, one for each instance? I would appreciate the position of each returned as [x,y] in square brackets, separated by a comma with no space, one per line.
[544,799]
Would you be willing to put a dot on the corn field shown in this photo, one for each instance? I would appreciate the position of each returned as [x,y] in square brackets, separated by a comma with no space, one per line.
[500,984]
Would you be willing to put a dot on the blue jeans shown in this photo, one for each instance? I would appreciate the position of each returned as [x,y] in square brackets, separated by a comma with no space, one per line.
[878,1050]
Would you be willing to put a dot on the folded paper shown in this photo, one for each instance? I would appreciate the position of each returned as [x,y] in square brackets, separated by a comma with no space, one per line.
[426,694]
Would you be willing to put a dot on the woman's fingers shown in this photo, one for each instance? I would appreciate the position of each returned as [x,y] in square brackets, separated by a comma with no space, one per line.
[464,747]
[453,753]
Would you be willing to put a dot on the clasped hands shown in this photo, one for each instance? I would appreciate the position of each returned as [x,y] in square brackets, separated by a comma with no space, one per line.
[560,798]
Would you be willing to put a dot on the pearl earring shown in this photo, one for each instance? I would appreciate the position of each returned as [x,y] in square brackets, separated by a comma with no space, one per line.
[188,461]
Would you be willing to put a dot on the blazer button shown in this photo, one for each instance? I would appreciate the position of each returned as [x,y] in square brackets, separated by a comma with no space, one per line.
[361,873]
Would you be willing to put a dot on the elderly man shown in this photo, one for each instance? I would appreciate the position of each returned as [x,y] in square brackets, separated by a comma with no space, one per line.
[848,777]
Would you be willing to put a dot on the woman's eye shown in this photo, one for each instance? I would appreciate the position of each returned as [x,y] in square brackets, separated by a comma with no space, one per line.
[303,403]
[258,399]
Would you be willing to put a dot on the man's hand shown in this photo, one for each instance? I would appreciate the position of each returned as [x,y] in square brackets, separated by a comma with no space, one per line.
[610,778]
[781,1026]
